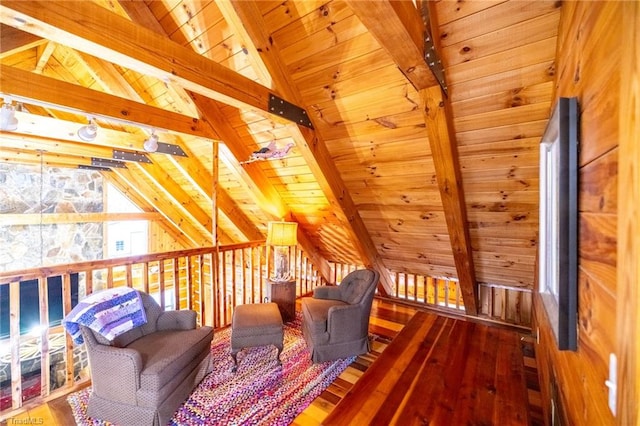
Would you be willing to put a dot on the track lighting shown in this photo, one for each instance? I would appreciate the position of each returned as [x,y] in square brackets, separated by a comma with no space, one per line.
[89,132]
[151,144]
[8,120]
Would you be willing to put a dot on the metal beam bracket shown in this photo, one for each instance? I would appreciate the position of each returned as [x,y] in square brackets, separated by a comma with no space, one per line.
[434,63]
[104,162]
[167,148]
[131,156]
[289,111]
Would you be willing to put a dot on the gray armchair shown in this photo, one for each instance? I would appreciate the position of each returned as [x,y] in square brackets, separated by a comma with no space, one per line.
[144,375]
[335,321]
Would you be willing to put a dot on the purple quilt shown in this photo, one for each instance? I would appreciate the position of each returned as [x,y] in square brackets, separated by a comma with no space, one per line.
[109,312]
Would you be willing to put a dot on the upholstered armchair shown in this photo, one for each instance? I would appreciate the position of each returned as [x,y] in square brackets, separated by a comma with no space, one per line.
[142,377]
[335,321]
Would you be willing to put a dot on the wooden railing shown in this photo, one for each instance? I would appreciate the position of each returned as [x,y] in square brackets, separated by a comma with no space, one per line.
[185,280]
[498,303]
[178,280]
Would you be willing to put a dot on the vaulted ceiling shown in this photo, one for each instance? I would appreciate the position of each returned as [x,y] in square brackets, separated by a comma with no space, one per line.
[387,168]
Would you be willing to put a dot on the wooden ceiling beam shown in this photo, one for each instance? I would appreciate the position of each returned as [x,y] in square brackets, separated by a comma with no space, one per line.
[50,159]
[43,54]
[437,113]
[37,218]
[54,92]
[14,41]
[309,142]
[89,28]
[233,20]
[107,76]
[399,28]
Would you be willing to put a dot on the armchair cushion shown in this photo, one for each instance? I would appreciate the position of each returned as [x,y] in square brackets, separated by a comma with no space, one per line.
[316,312]
[165,353]
[327,292]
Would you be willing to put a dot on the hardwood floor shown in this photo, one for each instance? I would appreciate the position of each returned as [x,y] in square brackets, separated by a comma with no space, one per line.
[387,320]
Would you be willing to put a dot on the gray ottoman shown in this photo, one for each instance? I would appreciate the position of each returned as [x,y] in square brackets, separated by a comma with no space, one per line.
[257,324]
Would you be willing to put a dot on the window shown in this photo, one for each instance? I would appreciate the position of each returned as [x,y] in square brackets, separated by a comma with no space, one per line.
[558,256]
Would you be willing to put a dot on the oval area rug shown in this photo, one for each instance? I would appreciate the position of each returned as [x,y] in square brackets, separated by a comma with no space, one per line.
[261,392]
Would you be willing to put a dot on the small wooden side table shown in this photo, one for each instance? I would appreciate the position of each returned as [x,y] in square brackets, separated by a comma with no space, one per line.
[283,293]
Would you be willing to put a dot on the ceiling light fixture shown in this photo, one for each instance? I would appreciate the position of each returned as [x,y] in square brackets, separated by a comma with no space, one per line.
[89,132]
[151,144]
[8,120]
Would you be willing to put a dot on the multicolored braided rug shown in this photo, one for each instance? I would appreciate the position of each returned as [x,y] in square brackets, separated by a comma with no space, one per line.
[260,393]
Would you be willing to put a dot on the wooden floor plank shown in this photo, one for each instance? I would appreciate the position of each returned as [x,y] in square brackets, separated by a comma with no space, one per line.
[408,394]
[441,371]
[511,386]
[458,352]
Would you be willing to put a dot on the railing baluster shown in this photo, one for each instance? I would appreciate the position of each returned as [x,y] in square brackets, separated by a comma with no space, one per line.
[45,358]
[14,336]
[176,283]
[110,277]
[188,282]
[252,255]
[161,286]
[129,276]
[88,282]
[66,304]
[200,275]
[263,267]
[223,283]
[446,293]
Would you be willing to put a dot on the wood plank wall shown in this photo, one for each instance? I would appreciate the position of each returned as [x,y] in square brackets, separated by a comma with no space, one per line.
[628,318]
[588,58]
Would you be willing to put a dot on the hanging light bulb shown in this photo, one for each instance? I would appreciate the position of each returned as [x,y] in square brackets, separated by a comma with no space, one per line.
[151,143]
[89,132]
[8,120]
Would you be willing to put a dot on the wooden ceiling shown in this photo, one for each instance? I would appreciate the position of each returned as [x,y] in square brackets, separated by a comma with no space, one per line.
[394,174]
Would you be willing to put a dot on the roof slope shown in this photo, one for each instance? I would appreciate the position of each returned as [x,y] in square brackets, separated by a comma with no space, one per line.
[394,174]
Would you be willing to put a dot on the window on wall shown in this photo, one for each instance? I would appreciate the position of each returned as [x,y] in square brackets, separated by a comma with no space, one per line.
[127,237]
[558,255]
[549,217]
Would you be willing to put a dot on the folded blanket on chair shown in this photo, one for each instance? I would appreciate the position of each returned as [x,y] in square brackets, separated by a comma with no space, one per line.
[109,312]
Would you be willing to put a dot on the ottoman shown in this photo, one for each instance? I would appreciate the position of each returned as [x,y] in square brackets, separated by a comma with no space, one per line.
[258,324]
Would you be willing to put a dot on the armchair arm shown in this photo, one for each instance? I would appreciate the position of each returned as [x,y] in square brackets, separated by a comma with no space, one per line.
[115,372]
[345,323]
[176,320]
[327,292]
